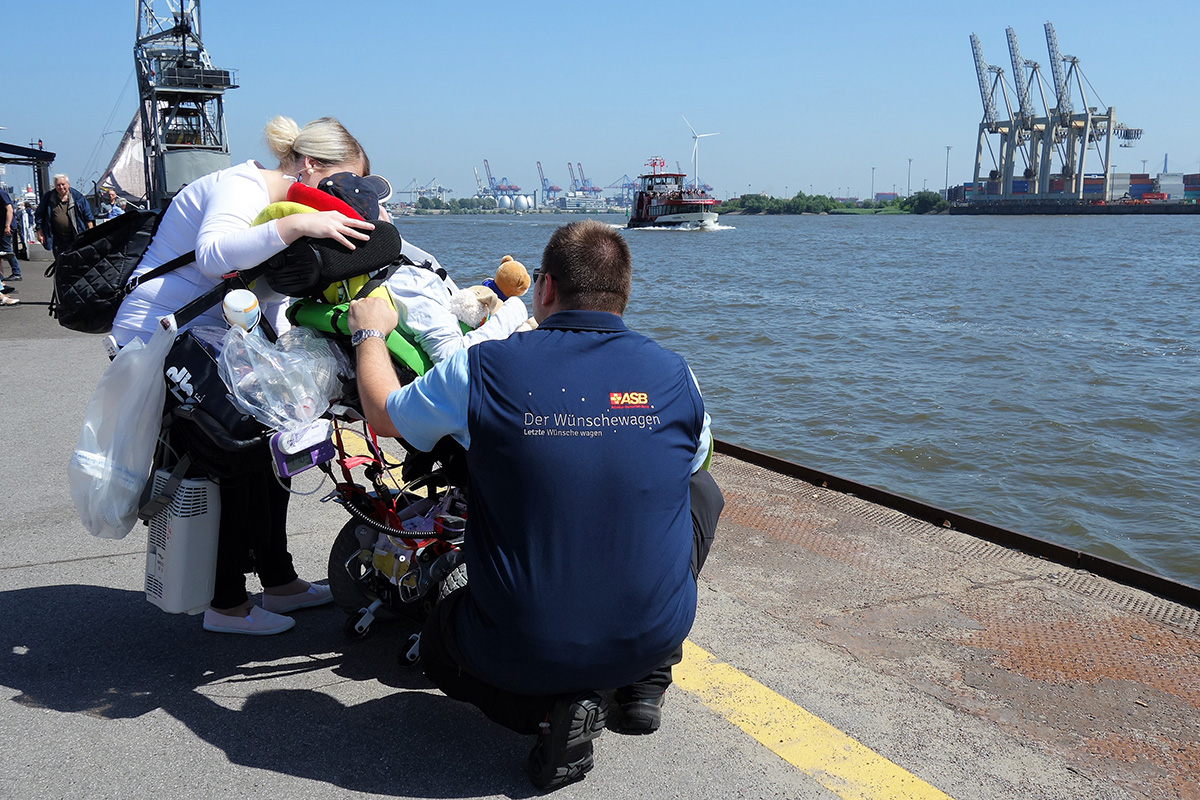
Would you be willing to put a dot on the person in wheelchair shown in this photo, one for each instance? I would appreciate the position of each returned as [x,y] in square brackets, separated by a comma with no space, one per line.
[590,512]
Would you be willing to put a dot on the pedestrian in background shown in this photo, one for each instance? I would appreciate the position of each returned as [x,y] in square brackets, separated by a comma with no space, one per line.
[7,213]
[61,216]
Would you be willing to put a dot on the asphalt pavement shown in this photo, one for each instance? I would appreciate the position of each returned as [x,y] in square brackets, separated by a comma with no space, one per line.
[840,650]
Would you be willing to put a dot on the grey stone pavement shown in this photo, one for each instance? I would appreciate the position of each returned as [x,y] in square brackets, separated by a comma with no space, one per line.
[864,621]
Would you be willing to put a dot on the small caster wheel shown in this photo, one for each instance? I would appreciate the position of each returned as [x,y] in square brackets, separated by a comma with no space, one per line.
[410,652]
[357,627]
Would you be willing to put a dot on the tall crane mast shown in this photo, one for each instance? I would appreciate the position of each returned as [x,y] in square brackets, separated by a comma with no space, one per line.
[491,181]
[549,191]
[585,185]
[1032,131]
[575,186]
[1063,109]
[1062,83]
[990,124]
[1024,107]
[182,111]
[986,92]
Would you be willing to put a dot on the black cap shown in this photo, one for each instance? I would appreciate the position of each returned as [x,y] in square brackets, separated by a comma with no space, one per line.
[361,194]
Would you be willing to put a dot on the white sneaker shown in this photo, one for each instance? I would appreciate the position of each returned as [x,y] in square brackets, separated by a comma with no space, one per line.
[258,622]
[316,595]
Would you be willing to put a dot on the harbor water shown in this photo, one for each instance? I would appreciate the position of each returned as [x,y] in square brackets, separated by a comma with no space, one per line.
[1038,373]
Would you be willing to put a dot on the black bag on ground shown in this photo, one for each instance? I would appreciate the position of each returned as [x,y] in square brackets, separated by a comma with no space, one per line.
[93,277]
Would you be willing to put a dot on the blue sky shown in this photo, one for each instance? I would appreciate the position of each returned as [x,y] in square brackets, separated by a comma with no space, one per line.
[805,96]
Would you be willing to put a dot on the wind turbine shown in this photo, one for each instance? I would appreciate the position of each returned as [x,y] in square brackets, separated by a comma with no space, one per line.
[696,137]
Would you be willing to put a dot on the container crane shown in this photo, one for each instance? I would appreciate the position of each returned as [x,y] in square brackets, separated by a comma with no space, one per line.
[503,187]
[410,189]
[991,124]
[549,191]
[1028,135]
[1040,136]
[625,187]
[585,185]
[575,186]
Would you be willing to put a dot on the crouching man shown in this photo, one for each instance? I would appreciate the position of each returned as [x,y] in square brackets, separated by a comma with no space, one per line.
[589,514]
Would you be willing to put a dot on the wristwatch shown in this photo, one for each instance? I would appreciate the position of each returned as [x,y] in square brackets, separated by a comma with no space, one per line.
[366,333]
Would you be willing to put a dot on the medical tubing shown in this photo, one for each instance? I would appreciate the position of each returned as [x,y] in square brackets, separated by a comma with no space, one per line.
[348,504]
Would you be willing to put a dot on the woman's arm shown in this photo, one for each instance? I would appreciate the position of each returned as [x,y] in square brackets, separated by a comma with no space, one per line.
[226,241]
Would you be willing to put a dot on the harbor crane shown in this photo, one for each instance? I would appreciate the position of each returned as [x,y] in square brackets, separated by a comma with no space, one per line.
[549,191]
[432,189]
[1056,131]
[502,187]
[625,187]
[586,185]
[181,111]
[410,189]
[575,186]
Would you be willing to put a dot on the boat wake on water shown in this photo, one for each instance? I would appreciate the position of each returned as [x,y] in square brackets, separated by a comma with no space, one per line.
[697,227]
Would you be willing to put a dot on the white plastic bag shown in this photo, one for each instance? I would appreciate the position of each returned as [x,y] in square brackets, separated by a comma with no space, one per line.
[285,385]
[115,451]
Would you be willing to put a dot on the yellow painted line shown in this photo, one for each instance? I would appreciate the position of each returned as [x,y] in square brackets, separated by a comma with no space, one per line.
[833,759]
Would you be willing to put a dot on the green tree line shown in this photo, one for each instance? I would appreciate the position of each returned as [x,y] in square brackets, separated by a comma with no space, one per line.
[922,202]
[465,205]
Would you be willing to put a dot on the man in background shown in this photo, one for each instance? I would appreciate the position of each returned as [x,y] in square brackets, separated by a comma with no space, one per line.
[113,206]
[62,215]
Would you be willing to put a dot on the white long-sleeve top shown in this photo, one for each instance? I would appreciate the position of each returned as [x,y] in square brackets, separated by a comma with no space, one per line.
[424,306]
[212,216]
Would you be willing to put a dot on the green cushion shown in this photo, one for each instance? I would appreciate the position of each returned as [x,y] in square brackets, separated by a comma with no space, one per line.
[334,319]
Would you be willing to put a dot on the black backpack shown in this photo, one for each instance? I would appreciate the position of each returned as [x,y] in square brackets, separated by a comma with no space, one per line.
[93,277]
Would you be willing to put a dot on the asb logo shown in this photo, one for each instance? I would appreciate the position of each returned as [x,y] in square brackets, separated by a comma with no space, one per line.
[618,400]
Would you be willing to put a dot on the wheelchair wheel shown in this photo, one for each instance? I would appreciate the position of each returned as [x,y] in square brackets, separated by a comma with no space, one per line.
[350,587]
[455,579]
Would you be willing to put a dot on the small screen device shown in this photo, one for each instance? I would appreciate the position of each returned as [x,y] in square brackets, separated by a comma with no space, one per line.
[292,452]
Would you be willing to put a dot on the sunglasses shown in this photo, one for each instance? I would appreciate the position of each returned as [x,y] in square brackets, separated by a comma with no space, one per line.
[537,273]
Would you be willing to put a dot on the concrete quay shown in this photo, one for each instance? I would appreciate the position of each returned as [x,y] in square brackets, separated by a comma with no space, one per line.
[841,649]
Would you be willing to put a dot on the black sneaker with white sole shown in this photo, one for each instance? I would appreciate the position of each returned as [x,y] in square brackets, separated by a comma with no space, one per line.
[563,751]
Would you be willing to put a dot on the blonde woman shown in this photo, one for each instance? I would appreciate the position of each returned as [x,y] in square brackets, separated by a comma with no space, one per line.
[212,216]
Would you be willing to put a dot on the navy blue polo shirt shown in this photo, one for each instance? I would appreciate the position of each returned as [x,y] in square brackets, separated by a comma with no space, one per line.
[582,436]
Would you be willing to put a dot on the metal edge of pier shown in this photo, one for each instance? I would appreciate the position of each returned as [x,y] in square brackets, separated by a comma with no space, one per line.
[1124,574]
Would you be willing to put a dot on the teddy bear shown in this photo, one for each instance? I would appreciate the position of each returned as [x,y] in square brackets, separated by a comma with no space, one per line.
[474,304]
[511,279]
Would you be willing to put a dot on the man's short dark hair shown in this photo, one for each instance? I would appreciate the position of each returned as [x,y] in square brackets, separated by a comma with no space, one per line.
[591,266]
